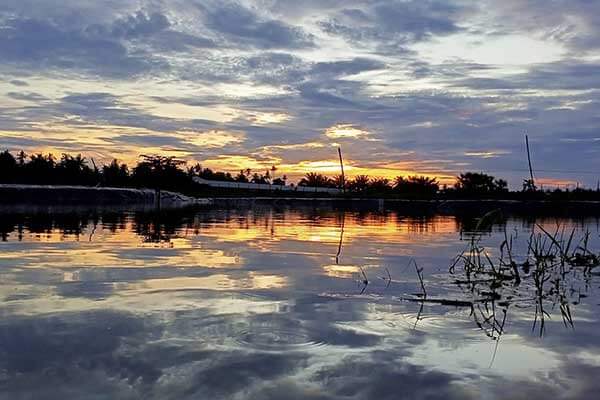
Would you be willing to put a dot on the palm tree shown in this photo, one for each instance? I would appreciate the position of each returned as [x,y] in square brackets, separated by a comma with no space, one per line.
[379,185]
[315,180]
[421,186]
[339,181]
[115,175]
[21,158]
[241,177]
[360,183]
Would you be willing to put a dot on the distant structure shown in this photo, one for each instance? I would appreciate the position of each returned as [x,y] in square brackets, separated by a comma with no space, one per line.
[266,187]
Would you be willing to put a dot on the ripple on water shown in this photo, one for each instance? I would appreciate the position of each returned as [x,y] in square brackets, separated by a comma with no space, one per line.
[433,320]
[264,337]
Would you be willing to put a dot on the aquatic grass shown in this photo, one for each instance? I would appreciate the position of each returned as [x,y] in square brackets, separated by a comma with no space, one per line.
[548,278]
[550,270]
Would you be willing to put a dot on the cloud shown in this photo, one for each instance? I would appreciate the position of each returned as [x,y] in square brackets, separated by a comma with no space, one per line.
[561,75]
[110,110]
[127,47]
[418,19]
[153,30]
[393,25]
[26,96]
[573,23]
[41,45]
[342,131]
[346,67]
[361,378]
[238,23]
[19,83]
[138,25]
[434,79]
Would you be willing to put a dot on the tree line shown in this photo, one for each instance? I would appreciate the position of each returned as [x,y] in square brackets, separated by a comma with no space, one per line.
[169,173]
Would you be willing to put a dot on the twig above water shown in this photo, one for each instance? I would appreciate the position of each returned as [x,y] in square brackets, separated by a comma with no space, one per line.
[420,275]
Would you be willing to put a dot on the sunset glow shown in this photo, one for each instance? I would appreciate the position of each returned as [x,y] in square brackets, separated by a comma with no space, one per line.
[427,88]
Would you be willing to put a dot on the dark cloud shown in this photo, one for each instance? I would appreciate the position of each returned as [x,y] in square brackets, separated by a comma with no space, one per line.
[363,378]
[41,45]
[318,96]
[108,109]
[19,83]
[238,23]
[418,19]
[34,345]
[126,48]
[150,140]
[348,67]
[139,25]
[91,290]
[560,75]
[575,23]
[153,31]
[27,96]
[233,373]
[390,26]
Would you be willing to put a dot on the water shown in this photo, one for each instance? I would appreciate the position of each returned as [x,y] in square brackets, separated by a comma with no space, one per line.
[271,304]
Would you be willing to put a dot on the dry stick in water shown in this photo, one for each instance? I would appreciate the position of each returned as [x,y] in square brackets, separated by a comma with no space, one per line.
[388,278]
[365,281]
[420,275]
[508,244]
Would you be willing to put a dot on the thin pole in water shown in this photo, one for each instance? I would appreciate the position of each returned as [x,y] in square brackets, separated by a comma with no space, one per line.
[342,167]
[529,161]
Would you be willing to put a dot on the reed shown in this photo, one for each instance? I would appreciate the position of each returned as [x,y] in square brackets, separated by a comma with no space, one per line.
[547,276]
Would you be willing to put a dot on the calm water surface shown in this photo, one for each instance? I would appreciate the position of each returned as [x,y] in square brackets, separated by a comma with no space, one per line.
[271,304]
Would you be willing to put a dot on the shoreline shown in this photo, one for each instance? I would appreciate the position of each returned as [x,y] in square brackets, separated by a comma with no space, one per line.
[442,206]
[23,196]
[26,196]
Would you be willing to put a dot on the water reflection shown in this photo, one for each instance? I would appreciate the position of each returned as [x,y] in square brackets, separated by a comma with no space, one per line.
[268,304]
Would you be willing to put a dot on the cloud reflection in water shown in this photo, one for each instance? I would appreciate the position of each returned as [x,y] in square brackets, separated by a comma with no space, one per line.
[250,305]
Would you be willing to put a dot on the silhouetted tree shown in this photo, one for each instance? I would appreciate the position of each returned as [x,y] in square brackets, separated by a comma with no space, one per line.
[379,186]
[195,170]
[241,177]
[207,173]
[315,180]
[416,186]
[40,170]
[116,175]
[223,176]
[168,173]
[21,158]
[339,182]
[278,182]
[8,167]
[75,171]
[359,184]
[160,172]
[473,183]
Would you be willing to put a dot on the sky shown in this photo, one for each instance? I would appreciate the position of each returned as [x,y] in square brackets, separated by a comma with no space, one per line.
[402,86]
